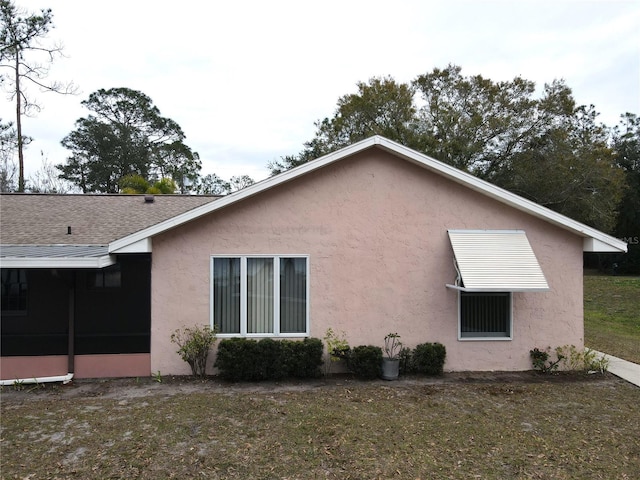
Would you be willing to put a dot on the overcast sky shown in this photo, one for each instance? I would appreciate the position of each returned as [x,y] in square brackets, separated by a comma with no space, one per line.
[246,80]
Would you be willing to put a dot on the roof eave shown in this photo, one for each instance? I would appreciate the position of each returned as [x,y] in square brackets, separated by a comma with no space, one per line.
[595,241]
[57,262]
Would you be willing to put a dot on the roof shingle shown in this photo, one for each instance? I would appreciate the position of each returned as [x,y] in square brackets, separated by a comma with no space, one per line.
[44,219]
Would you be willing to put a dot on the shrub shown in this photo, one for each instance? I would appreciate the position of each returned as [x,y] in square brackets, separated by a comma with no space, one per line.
[365,361]
[194,344]
[268,359]
[541,360]
[406,361]
[270,362]
[570,358]
[236,359]
[304,359]
[428,358]
[337,345]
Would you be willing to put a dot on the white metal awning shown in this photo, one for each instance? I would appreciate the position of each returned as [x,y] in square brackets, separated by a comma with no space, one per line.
[495,261]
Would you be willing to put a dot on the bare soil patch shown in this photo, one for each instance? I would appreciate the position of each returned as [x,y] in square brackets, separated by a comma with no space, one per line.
[465,425]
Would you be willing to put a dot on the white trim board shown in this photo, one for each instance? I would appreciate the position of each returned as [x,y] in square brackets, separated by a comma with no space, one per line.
[595,240]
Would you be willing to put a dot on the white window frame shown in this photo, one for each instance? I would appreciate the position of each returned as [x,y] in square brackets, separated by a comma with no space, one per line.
[276,295]
[487,338]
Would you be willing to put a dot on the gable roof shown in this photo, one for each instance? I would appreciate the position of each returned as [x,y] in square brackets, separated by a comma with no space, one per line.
[112,224]
[593,239]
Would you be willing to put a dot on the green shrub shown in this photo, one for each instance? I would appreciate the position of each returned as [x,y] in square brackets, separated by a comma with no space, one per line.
[337,345]
[268,359]
[365,361]
[194,344]
[541,360]
[304,359]
[236,359]
[569,358]
[406,361]
[428,358]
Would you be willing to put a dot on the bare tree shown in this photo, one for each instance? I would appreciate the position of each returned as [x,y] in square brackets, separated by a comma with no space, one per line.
[47,180]
[22,35]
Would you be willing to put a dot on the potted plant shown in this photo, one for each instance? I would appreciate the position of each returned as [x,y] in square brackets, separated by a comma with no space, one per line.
[391,360]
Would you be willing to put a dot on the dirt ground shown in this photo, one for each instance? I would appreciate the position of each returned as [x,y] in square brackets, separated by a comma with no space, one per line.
[125,388]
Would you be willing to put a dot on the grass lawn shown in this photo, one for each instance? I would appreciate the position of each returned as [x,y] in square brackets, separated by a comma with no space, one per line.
[517,426]
[612,315]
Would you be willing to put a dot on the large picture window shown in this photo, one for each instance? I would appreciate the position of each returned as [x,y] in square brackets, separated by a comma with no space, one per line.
[485,316]
[260,295]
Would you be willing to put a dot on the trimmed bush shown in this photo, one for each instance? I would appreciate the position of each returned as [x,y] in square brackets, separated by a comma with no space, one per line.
[406,362]
[236,359]
[304,359]
[365,361]
[428,358]
[268,359]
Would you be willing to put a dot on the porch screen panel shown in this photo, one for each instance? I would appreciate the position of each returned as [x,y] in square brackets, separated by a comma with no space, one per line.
[260,295]
[293,295]
[226,294]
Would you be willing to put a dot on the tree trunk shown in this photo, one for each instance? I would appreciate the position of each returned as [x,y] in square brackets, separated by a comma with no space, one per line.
[19,125]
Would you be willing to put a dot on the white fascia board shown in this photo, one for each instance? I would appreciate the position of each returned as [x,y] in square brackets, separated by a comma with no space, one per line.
[458,176]
[141,246]
[601,241]
[57,262]
[595,245]
[245,193]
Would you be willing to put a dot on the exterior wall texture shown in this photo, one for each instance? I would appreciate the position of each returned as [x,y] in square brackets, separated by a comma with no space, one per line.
[375,229]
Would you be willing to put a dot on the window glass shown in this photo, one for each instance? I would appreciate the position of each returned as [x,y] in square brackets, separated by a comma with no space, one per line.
[293,295]
[485,315]
[263,296]
[260,295]
[226,294]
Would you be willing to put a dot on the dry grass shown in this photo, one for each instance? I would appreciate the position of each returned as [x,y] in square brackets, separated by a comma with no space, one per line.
[510,426]
[612,315]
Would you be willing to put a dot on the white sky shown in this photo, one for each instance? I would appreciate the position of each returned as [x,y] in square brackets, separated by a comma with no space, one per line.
[246,80]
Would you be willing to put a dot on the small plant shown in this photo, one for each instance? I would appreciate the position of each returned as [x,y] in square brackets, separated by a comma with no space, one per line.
[157,377]
[541,360]
[18,385]
[596,364]
[582,360]
[337,344]
[337,347]
[392,346]
[194,344]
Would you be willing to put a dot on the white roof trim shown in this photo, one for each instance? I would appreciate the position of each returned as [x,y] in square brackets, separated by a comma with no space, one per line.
[141,246]
[57,262]
[496,261]
[602,241]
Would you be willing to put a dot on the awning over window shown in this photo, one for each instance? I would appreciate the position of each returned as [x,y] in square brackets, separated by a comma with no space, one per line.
[495,261]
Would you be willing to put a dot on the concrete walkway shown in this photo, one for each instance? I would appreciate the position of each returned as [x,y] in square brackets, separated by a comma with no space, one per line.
[621,368]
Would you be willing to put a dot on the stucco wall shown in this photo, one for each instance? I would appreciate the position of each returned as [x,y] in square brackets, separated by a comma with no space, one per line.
[375,229]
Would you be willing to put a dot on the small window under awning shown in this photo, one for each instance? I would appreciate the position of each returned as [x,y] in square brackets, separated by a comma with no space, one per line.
[495,261]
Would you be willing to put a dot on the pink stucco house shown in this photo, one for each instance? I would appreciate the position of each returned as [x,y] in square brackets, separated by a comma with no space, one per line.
[371,239]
